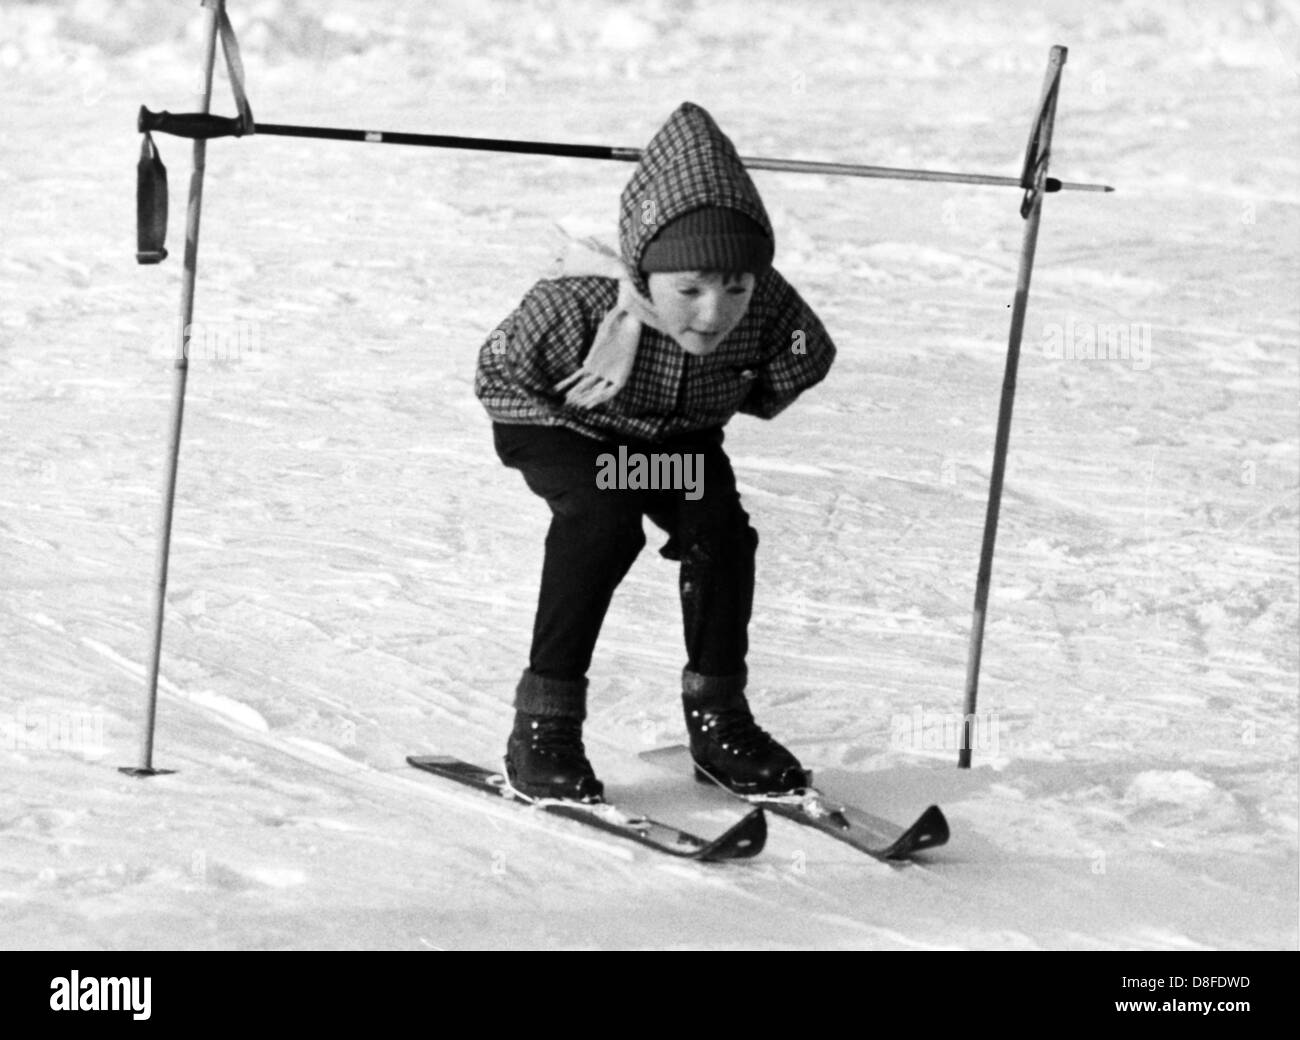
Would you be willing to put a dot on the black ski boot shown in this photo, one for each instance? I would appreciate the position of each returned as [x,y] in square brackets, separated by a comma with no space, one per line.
[728,745]
[544,755]
[545,759]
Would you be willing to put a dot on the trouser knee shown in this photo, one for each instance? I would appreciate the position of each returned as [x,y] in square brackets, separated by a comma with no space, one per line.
[718,534]
[600,534]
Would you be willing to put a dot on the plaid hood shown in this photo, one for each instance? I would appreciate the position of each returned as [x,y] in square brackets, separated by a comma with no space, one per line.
[688,164]
[779,349]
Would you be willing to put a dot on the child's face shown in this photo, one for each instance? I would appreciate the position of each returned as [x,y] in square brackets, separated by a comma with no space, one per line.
[699,309]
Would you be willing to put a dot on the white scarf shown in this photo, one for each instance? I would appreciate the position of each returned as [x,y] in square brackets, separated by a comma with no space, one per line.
[613,352]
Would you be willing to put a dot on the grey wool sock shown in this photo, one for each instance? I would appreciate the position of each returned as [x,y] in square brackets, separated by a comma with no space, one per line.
[713,691]
[556,698]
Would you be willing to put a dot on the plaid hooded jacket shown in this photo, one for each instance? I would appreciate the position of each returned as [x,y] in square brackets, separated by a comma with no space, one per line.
[778,350]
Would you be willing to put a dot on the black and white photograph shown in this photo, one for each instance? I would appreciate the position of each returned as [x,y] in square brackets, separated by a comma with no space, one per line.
[663,475]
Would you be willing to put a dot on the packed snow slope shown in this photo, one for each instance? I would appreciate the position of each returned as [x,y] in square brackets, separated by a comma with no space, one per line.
[353,573]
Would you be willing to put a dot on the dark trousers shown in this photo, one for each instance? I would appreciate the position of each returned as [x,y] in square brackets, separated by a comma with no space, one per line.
[596,534]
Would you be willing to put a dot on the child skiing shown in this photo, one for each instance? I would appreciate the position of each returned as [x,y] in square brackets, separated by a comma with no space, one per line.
[609,395]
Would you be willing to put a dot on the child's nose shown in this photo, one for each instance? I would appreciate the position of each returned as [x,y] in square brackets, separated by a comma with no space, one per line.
[710,308]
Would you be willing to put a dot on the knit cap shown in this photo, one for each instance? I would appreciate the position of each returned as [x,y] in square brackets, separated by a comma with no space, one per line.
[711,238]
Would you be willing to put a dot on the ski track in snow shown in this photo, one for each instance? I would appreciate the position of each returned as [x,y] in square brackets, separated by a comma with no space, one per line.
[353,573]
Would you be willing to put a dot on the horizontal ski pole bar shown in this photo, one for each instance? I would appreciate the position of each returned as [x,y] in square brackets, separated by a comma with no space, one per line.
[197,125]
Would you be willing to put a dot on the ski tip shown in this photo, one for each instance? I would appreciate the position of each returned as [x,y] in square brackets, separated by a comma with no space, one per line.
[928,832]
[743,840]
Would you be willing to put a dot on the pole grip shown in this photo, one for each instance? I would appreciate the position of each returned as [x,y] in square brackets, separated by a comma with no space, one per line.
[198,126]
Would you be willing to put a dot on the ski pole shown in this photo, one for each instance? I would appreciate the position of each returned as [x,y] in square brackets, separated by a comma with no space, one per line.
[196,124]
[216,14]
[1034,177]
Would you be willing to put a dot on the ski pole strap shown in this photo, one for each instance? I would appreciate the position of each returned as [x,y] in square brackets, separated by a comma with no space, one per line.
[234,66]
[1033,173]
[150,205]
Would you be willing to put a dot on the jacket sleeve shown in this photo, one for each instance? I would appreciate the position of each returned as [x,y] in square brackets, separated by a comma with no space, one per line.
[801,351]
[545,340]
[537,345]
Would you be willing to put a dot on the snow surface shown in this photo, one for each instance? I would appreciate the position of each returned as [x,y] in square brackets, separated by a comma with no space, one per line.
[353,573]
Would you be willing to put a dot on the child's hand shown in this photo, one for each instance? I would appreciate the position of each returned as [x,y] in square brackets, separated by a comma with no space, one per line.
[586,389]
